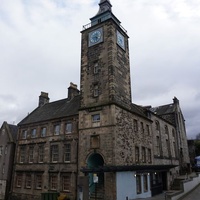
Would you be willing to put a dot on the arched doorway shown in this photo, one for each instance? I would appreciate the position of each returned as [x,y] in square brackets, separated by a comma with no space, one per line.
[95,161]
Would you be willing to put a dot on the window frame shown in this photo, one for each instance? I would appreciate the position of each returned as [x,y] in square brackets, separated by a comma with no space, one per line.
[22,154]
[143,154]
[138,184]
[41,153]
[24,134]
[68,127]
[18,180]
[28,181]
[145,182]
[137,154]
[31,154]
[67,152]
[33,133]
[53,182]
[66,182]
[38,181]
[56,129]
[42,132]
[54,153]
[96,118]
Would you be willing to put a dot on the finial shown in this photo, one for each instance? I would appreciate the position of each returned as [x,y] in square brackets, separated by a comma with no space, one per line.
[104,6]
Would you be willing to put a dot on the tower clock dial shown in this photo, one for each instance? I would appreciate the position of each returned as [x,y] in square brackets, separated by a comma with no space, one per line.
[95,36]
[120,40]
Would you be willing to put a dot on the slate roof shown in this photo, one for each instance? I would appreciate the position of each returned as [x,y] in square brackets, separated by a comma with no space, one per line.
[13,131]
[54,110]
[163,110]
[142,111]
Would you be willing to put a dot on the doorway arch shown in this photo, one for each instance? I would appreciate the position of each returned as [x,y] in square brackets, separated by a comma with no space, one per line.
[95,161]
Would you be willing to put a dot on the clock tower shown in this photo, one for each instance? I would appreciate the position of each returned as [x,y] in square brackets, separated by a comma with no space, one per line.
[105,89]
[105,70]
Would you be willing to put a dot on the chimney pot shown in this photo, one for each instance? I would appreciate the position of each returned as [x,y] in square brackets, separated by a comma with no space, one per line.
[43,99]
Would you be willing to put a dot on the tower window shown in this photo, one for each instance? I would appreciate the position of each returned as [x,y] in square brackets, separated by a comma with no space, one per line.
[96,118]
[96,68]
[96,90]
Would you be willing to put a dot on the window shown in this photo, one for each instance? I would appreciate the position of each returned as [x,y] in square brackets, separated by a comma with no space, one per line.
[3,170]
[96,68]
[6,150]
[57,129]
[157,126]
[137,154]
[174,145]
[168,148]
[142,127]
[22,154]
[54,153]
[53,182]
[149,155]
[143,155]
[148,130]
[68,127]
[19,180]
[173,133]
[43,131]
[138,184]
[28,181]
[135,125]
[145,183]
[41,154]
[33,133]
[31,152]
[24,134]
[96,90]
[96,118]
[67,152]
[38,181]
[1,150]
[66,182]
[166,130]
[158,145]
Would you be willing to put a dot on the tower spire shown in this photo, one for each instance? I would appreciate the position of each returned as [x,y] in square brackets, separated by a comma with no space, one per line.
[104,6]
[104,13]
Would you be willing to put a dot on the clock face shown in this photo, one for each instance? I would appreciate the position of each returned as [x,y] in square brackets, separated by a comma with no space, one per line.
[95,37]
[120,40]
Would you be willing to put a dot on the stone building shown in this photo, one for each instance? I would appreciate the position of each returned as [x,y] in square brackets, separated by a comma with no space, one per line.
[97,143]
[46,152]
[8,135]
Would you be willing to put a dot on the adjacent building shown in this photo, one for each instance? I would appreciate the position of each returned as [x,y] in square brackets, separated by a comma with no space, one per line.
[96,142]
[8,135]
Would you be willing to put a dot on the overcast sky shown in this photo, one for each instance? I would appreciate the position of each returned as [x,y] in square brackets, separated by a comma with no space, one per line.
[40,51]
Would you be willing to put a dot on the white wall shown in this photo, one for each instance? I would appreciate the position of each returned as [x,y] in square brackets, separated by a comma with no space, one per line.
[126,186]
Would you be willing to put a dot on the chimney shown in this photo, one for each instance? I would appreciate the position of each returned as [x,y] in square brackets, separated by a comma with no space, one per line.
[72,90]
[43,99]
[175,100]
